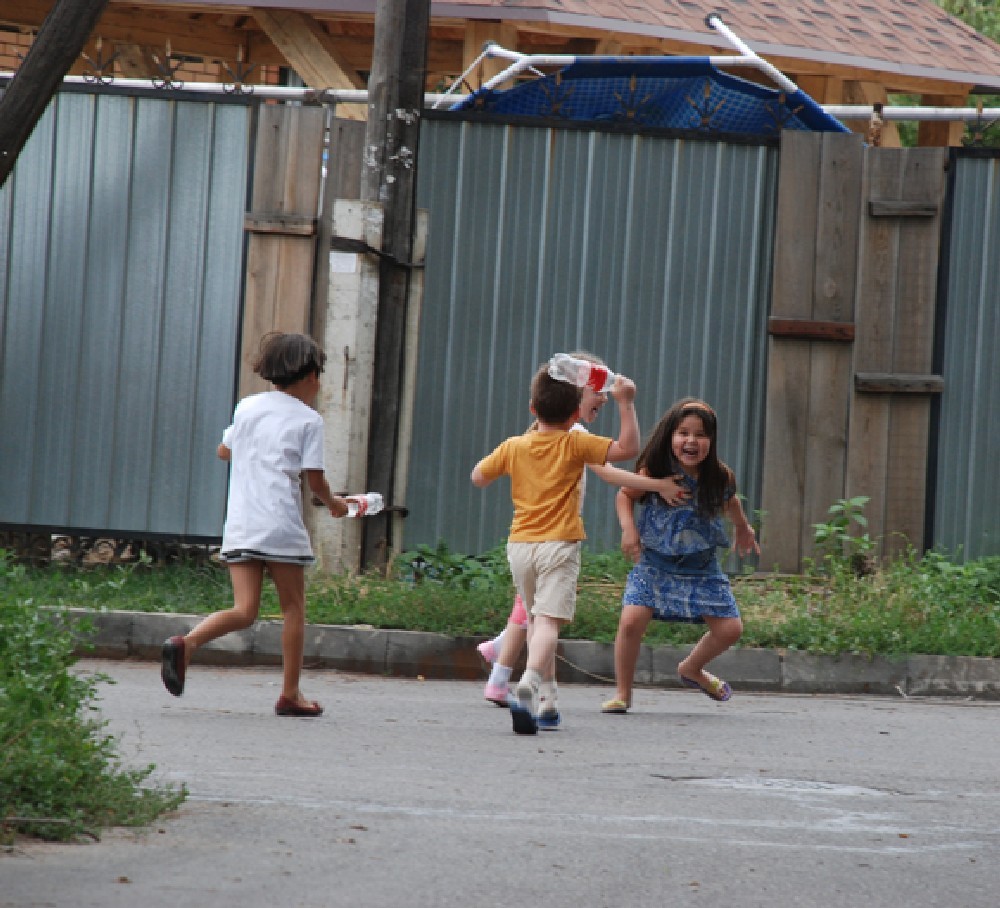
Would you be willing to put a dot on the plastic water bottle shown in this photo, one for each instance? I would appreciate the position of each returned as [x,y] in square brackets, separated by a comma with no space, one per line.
[367,503]
[581,372]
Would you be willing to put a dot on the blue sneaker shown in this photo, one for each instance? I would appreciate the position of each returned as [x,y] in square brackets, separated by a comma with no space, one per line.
[524,722]
[549,720]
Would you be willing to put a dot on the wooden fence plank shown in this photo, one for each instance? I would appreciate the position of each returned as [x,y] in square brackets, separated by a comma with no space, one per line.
[787,410]
[868,454]
[922,176]
[785,460]
[280,266]
[868,433]
[808,329]
[826,436]
[899,383]
[838,213]
[906,478]
[794,250]
[830,373]
[884,208]
[917,264]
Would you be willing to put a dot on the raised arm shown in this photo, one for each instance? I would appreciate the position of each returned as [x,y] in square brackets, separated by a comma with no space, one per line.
[626,445]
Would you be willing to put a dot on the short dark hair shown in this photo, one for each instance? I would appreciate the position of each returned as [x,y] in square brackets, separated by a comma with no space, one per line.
[552,400]
[284,359]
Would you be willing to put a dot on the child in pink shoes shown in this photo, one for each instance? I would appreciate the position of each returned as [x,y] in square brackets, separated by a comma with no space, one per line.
[543,548]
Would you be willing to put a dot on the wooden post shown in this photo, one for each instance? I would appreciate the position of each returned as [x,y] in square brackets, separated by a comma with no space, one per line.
[59,42]
[395,101]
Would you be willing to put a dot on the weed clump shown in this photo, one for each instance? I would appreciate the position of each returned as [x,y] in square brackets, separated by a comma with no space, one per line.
[60,776]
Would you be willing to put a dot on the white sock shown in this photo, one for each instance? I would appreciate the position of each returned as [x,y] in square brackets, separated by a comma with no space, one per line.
[498,640]
[528,687]
[499,675]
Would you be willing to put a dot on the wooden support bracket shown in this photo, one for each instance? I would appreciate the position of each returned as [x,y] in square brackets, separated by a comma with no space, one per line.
[897,383]
[886,208]
[805,329]
[280,224]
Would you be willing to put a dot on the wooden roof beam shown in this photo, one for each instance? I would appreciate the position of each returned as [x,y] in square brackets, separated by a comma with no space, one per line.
[312,53]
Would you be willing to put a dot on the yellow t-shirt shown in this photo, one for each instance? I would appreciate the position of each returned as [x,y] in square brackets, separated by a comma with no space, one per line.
[544,470]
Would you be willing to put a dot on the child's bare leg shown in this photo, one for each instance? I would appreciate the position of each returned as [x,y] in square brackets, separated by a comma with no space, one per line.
[289,581]
[514,639]
[543,638]
[517,622]
[632,626]
[722,633]
[247,578]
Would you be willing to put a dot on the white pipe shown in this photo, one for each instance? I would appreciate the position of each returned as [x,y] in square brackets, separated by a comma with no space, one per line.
[360,96]
[269,92]
[864,112]
[523,62]
[464,76]
[713,21]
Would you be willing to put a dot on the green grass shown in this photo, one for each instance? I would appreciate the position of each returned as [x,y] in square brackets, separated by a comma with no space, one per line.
[915,604]
[60,775]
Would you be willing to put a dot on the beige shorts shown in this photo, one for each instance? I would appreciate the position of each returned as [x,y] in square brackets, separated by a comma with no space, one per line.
[545,574]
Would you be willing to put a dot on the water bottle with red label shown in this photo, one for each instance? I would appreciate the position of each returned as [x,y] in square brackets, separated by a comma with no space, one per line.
[581,372]
[365,504]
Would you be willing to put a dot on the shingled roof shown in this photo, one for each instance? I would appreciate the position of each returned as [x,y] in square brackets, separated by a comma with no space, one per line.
[912,38]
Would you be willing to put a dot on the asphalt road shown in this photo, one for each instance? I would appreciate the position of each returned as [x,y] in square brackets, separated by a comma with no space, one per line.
[415,793]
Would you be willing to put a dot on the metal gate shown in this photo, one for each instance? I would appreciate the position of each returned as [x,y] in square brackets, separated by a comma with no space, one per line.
[121,265]
[653,252]
[966,498]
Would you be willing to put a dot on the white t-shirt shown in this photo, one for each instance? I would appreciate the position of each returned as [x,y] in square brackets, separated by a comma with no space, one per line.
[273,438]
[579,427]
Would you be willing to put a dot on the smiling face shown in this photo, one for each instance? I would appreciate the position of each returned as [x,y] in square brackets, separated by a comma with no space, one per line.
[690,444]
[590,404]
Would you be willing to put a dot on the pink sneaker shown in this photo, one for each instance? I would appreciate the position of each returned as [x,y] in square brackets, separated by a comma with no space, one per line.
[495,694]
[488,651]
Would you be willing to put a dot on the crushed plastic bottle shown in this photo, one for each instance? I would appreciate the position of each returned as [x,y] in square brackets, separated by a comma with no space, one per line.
[364,504]
[581,372]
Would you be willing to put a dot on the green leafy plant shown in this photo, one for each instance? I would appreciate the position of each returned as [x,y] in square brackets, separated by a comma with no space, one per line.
[60,776]
[440,565]
[835,542]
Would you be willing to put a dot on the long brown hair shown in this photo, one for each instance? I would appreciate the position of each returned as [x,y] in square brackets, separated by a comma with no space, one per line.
[714,477]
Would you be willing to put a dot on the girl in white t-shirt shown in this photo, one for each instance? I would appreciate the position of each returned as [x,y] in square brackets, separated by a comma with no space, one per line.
[275,439]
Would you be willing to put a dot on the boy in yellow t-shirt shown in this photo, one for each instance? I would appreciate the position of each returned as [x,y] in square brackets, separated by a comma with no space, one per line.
[543,548]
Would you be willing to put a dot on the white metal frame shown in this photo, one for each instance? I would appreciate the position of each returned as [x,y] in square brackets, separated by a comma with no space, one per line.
[522,63]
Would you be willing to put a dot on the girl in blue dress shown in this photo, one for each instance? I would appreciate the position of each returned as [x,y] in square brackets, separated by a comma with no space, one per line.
[677,575]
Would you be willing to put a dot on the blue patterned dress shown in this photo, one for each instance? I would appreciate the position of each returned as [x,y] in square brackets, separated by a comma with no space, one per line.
[678,575]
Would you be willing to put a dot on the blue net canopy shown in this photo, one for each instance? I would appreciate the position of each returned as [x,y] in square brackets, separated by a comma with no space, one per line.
[668,92]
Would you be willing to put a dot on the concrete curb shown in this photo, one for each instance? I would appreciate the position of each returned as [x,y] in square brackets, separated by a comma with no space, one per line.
[139,635]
